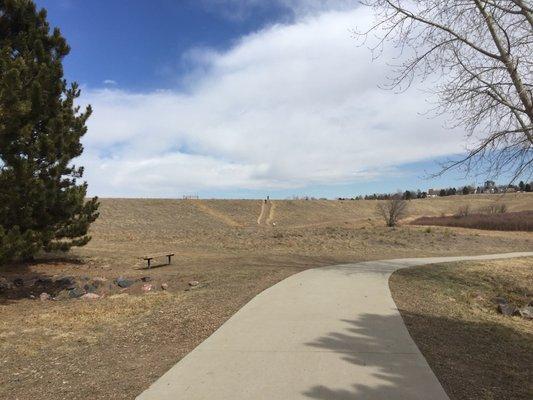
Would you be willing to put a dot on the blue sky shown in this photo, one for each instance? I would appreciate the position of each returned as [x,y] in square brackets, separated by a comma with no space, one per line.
[243,98]
[139,43]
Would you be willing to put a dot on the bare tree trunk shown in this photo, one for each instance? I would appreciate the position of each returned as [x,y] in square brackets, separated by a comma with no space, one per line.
[510,65]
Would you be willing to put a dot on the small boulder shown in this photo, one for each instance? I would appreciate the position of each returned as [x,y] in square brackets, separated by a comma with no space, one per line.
[526,312]
[18,282]
[193,283]
[164,286]
[506,309]
[66,281]
[123,282]
[147,287]
[90,287]
[76,292]
[90,296]
[45,297]
[30,282]
[43,281]
[5,284]
[146,278]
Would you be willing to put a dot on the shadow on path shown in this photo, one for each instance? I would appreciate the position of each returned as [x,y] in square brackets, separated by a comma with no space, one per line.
[471,360]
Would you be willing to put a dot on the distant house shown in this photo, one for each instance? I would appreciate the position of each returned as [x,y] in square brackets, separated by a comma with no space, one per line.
[490,187]
[433,192]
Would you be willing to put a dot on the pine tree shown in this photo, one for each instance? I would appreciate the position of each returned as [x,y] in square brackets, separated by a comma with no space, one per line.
[42,206]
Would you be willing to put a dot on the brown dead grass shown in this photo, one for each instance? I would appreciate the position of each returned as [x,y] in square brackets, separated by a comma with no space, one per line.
[510,221]
[116,347]
[449,310]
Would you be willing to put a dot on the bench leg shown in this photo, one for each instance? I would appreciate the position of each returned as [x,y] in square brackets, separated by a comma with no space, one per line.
[148,263]
[169,257]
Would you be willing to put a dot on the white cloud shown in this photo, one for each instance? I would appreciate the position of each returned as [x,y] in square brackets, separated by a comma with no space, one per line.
[110,82]
[288,106]
[242,9]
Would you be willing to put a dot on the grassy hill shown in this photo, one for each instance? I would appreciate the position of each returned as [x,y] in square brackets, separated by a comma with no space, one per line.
[134,337]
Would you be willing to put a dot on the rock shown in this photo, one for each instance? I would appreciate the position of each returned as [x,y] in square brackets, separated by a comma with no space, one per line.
[45,297]
[147,287]
[526,312]
[32,297]
[89,287]
[43,281]
[506,308]
[66,280]
[76,292]
[30,282]
[500,300]
[146,278]
[90,296]
[164,286]
[18,282]
[5,284]
[123,282]
[194,283]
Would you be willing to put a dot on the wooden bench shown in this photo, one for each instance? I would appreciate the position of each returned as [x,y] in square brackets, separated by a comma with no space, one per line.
[150,257]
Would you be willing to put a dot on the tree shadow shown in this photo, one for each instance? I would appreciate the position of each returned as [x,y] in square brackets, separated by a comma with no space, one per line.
[471,360]
[24,281]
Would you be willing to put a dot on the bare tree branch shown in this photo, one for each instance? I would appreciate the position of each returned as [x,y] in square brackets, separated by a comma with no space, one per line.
[480,52]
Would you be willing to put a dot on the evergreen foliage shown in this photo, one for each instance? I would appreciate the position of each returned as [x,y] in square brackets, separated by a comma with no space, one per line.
[42,206]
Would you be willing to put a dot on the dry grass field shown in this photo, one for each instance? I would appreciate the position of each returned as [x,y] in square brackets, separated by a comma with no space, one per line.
[476,352]
[114,347]
[508,221]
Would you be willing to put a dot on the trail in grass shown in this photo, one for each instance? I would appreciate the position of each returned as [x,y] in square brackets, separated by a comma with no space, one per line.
[331,333]
[216,214]
[266,212]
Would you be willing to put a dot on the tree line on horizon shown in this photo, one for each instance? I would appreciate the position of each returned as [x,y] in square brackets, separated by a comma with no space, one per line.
[450,191]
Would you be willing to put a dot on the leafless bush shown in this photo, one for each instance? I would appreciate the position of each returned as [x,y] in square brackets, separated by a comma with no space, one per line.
[392,210]
[494,209]
[511,221]
[463,211]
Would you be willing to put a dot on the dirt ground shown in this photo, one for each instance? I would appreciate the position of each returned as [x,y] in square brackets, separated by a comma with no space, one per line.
[116,346]
[451,314]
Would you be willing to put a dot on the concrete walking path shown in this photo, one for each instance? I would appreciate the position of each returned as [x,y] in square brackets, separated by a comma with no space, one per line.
[331,333]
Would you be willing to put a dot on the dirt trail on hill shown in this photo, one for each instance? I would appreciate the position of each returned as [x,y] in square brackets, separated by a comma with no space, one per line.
[216,214]
[267,213]
[270,218]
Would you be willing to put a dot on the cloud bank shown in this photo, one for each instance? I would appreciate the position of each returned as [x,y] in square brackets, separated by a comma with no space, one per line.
[290,106]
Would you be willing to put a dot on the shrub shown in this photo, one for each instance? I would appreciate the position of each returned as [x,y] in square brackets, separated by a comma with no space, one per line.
[392,210]
[511,221]
[463,211]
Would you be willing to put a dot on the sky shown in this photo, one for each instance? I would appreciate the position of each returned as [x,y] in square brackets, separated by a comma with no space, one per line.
[244,99]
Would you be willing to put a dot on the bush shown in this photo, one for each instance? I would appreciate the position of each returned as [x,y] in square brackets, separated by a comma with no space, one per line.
[494,209]
[392,210]
[512,221]
[463,211]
